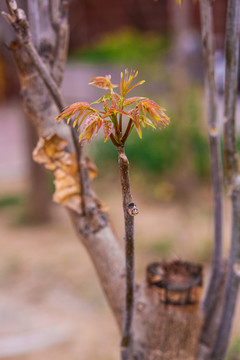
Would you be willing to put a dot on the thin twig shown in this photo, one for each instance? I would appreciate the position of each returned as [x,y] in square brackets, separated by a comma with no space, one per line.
[33,18]
[232,177]
[58,16]
[129,253]
[215,155]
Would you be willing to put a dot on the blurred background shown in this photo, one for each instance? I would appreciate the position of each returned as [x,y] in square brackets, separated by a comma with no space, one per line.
[51,305]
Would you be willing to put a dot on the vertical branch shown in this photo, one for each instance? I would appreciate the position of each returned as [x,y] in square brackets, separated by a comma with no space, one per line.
[231,58]
[130,210]
[215,154]
[58,15]
[33,16]
[232,177]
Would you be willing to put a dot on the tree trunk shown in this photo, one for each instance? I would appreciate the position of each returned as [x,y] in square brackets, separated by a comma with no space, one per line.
[38,196]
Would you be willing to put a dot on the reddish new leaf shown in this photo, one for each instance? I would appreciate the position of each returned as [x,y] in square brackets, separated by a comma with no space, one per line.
[132,100]
[111,117]
[91,127]
[134,113]
[156,113]
[102,82]
[108,128]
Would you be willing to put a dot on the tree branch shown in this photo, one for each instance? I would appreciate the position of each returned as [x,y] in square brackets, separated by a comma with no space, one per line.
[232,177]
[125,136]
[20,25]
[33,18]
[129,209]
[212,294]
[58,15]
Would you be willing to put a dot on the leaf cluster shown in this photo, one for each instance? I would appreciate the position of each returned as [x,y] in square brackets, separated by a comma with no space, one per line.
[111,119]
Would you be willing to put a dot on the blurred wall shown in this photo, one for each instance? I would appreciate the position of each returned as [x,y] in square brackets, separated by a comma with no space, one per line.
[89,19]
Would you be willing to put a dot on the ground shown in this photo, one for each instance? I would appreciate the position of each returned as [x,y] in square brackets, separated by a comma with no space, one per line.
[48,285]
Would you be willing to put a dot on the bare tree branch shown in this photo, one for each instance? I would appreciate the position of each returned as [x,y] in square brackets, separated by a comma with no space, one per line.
[232,177]
[129,210]
[19,22]
[214,141]
[231,75]
[212,295]
[33,18]
[59,24]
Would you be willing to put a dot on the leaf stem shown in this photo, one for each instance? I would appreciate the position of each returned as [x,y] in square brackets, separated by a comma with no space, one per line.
[120,116]
[129,253]
[120,123]
[114,141]
[118,132]
[125,136]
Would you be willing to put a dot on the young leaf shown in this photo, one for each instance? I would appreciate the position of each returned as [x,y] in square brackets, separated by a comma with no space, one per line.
[103,82]
[71,110]
[132,87]
[91,126]
[156,113]
[134,114]
[125,83]
[111,117]
[108,128]
[102,99]
[116,98]
[132,100]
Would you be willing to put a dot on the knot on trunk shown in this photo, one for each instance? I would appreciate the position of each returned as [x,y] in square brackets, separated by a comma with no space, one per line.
[132,209]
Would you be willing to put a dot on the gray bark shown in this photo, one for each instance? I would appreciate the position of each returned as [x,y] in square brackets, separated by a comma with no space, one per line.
[213,299]
[232,178]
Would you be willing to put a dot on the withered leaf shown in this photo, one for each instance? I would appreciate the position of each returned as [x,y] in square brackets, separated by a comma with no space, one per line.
[50,152]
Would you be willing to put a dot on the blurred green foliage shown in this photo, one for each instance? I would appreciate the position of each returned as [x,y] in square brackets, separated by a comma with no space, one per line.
[124,46]
[10,200]
[162,246]
[234,350]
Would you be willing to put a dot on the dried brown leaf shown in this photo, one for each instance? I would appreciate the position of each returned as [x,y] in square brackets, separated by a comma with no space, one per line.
[51,153]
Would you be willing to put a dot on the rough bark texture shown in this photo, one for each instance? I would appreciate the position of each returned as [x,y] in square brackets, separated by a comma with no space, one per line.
[161,330]
[167,324]
[39,190]
[230,95]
